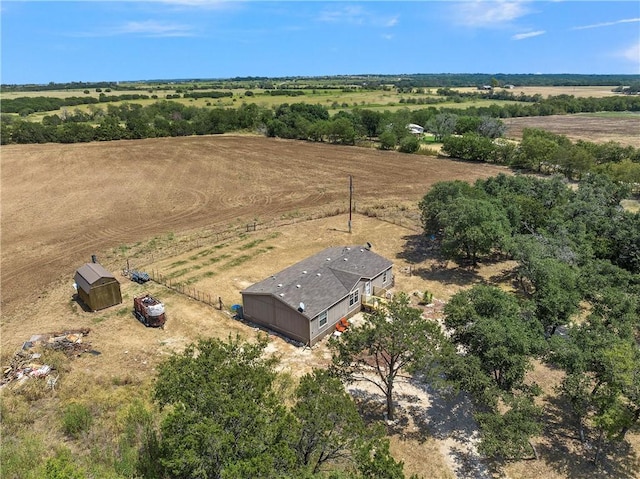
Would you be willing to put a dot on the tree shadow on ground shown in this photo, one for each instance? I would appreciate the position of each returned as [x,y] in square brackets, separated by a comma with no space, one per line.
[563,451]
[425,261]
[451,419]
[447,417]
[409,422]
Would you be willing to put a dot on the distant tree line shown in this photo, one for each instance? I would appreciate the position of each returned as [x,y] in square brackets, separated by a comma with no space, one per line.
[403,82]
[27,105]
[472,134]
[209,94]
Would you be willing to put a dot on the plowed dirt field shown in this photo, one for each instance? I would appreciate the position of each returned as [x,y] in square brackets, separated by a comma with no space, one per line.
[62,203]
[596,129]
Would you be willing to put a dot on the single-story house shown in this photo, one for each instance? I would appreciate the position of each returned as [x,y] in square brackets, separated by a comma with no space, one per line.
[97,287]
[305,301]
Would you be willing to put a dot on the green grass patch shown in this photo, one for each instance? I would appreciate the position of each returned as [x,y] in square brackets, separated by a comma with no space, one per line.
[217,259]
[252,244]
[183,271]
[244,258]
[178,263]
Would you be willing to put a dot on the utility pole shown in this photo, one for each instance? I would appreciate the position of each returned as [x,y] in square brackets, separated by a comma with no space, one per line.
[350,200]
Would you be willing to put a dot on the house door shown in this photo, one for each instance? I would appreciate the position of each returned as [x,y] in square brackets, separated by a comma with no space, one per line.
[367,288]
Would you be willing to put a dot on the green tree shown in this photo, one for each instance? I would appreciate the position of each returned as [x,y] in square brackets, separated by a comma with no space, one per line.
[497,338]
[491,326]
[438,200]
[330,428]
[443,125]
[602,362]
[491,127]
[394,339]
[370,120]
[508,435]
[535,152]
[556,294]
[409,144]
[223,414]
[388,140]
[472,228]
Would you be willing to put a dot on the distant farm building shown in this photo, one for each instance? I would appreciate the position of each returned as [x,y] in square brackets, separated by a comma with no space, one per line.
[97,287]
[415,129]
[306,301]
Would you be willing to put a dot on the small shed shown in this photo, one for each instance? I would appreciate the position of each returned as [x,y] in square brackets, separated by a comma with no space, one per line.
[97,287]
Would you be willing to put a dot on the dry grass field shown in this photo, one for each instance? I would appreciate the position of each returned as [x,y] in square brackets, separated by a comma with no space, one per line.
[623,129]
[180,207]
[547,91]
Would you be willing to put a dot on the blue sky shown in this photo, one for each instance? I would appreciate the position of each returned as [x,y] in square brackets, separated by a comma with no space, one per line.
[44,41]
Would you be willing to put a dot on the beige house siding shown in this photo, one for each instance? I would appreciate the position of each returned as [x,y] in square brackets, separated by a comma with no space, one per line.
[267,311]
[291,301]
[334,314]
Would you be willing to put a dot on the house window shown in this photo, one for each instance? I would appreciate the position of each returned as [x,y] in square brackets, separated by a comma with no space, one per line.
[384,277]
[354,298]
[322,320]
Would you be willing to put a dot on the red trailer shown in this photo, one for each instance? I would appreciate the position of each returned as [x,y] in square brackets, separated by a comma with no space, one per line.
[149,311]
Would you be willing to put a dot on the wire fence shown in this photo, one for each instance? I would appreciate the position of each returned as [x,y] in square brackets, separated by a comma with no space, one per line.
[193,293]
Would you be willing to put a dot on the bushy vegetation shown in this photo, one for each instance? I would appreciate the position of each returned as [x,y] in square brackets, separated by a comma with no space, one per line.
[578,269]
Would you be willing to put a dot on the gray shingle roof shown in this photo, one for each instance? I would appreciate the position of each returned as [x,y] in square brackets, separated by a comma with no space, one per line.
[322,279]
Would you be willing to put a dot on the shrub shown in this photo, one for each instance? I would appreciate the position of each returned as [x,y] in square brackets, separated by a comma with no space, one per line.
[409,144]
[76,419]
[427,297]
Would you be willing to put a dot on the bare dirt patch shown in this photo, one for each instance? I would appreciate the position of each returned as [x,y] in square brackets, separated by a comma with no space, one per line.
[596,129]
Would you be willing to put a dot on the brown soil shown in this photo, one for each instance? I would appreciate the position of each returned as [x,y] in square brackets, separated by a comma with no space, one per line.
[596,129]
[62,203]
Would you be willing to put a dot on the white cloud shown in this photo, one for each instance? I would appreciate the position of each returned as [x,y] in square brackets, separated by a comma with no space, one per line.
[153,28]
[349,14]
[356,15]
[479,13]
[632,54]
[522,36]
[608,24]
[210,4]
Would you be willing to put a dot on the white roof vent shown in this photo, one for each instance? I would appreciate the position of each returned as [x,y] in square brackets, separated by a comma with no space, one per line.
[345,259]
[279,285]
[282,295]
[304,272]
[318,274]
[301,307]
[328,259]
[297,285]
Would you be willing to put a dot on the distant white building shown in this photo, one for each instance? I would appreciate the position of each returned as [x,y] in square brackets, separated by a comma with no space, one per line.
[415,129]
